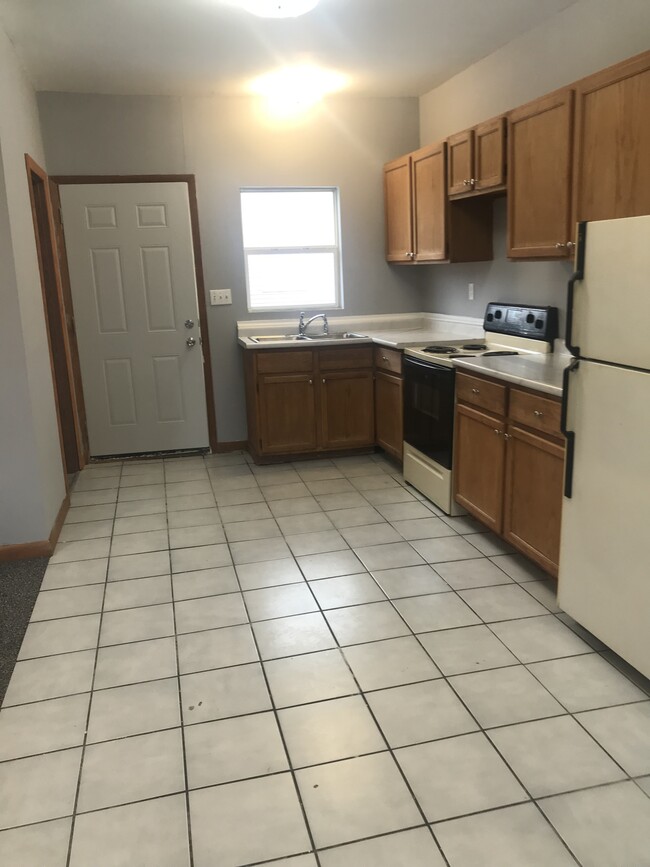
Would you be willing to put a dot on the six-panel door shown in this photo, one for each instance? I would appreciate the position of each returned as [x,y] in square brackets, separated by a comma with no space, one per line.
[133,284]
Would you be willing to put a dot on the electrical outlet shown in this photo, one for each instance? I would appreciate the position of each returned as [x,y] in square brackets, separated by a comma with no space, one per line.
[220,296]
[470,291]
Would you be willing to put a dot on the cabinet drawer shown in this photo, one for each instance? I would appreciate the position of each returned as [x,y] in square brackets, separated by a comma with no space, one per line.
[481,392]
[388,359]
[343,359]
[533,410]
[301,361]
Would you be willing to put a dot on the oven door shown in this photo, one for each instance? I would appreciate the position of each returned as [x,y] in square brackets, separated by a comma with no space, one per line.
[429,409]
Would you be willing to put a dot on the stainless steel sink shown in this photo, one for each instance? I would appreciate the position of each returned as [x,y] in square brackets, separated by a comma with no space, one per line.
[285,338]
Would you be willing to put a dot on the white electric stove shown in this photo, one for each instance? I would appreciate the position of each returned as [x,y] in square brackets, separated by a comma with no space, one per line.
[429,398]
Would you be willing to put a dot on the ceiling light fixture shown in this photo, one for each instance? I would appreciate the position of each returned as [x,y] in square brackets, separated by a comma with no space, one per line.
[279,8]
[294,89]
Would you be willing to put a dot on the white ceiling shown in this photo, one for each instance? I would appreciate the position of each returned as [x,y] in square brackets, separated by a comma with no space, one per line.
[385,47]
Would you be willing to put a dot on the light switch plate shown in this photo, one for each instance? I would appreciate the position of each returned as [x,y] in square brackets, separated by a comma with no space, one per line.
[220,296]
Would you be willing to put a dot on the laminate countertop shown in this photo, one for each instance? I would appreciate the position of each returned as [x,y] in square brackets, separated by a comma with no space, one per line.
[539,372]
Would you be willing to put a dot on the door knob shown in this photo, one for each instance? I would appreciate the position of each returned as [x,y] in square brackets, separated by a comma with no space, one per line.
[191,341]
[189,323]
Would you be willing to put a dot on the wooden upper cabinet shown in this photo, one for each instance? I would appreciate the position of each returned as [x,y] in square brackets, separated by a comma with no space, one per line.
[490,155]
[460,167]
[429,203]
[397,203]
[476,159]
[539,178]
[612,142]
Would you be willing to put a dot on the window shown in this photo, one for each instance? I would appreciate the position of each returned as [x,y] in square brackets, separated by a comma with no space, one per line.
[291,248]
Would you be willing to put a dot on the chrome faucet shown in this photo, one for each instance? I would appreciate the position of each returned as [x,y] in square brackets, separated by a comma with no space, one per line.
[302,325]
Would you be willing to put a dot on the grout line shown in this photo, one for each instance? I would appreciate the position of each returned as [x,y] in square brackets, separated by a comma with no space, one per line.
[282,736]
[180,713]
[90,703]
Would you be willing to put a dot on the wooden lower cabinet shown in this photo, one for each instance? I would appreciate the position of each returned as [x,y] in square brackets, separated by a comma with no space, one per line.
[347,409]
[389,413]
[306,401]
[287,413]
[509,468]
[479,450]
[533,496]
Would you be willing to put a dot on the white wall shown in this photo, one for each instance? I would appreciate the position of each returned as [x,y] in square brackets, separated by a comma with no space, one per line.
[586,37]
[32,486]
[228,143]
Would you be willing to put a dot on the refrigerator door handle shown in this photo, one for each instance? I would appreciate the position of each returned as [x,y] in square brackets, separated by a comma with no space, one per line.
[569,434]
[578,274]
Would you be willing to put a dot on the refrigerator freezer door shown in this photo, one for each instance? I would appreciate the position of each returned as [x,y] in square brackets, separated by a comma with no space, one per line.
[604,577]
[611,309]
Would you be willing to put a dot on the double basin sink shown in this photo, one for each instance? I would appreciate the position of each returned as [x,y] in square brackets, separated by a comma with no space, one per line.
[284,338]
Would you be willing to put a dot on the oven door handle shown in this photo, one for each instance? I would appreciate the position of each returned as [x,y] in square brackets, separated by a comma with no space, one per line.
[427,365]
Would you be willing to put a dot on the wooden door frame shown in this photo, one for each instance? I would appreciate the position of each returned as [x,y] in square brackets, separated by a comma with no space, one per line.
[66,397]
[190,180]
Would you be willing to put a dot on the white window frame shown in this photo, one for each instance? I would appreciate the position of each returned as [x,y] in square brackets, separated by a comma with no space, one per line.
[270,251]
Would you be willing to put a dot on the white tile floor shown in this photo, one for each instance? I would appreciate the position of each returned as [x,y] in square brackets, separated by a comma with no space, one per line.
[309,665]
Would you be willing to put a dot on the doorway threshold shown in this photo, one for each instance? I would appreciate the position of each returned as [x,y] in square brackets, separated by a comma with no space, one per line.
[149,456]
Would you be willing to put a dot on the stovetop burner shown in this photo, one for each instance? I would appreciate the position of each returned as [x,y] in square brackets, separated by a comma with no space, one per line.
[441,350]
[476,347]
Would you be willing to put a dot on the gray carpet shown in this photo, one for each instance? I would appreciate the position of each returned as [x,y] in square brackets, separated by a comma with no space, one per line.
[20,581]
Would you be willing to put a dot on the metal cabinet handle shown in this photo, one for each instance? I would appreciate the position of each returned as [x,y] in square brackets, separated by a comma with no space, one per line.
[383,358]
[507,436]
[497,432]
[323,382]
[570,245]
[559,245]
[472,181]
[311,381]
[476,391]
[537,413]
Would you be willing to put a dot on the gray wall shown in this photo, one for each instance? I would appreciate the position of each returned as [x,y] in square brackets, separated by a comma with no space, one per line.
[32,486]
[229,143]
[586,37]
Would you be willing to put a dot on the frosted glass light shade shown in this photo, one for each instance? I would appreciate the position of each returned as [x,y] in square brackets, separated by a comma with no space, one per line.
[279,8]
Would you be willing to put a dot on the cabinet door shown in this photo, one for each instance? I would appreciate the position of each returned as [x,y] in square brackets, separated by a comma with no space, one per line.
[539,178]
[612,143]
[397,204]
[347,411]
[287,410]
[460,167]
[429,203]
[533,496]
[490,154]
[389,413]
[479,458]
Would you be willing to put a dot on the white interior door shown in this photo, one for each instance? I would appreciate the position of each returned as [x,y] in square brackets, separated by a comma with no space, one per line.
[134,294]
[604,578]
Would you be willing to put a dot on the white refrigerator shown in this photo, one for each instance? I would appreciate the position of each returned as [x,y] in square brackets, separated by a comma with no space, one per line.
[604,574]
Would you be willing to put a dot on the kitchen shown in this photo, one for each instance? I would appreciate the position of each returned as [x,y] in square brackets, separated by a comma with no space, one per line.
[344,147]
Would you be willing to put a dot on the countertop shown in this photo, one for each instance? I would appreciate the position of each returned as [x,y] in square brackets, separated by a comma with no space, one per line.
[397,331]
[539,372]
